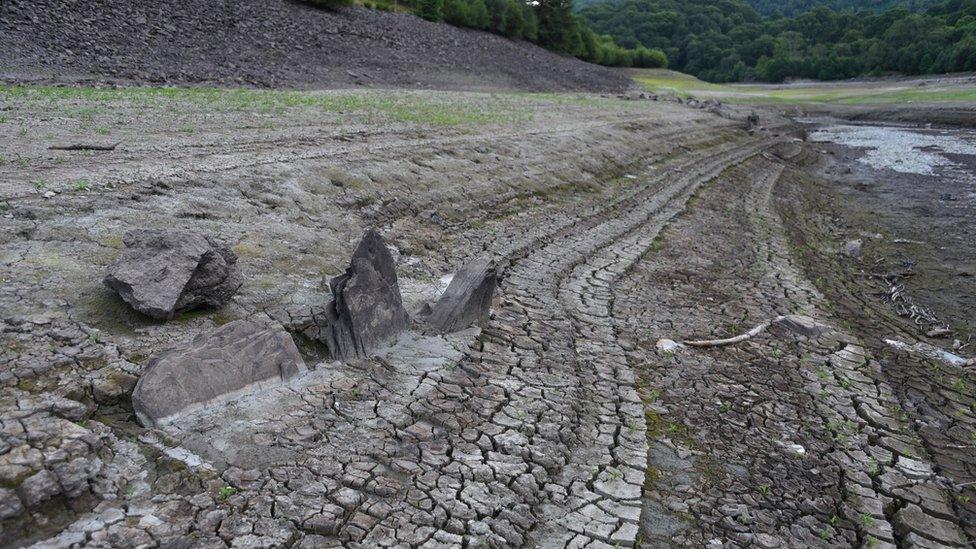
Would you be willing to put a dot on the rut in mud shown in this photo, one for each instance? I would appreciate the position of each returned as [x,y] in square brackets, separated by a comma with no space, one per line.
[561,424]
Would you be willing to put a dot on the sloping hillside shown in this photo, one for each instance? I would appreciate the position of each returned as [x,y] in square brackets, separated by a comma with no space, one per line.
[791,8]
[270,42]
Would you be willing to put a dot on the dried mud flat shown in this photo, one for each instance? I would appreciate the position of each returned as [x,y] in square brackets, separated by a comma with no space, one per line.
[563,423]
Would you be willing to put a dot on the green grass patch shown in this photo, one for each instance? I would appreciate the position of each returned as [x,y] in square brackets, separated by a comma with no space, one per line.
[426,109]
[683,85]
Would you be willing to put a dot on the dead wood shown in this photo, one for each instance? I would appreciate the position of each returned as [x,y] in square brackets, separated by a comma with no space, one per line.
[737,339]
[84,147]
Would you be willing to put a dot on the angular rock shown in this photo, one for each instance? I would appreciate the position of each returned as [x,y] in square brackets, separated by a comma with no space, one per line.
[367,309]
[852,248]
[752,121]
[10,504]
[111,386]
[235,357]
[163,272]
[803,325]
[467,300]
[39,487]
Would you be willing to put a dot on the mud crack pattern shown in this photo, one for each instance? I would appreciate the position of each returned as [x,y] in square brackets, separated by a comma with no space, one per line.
[559,424]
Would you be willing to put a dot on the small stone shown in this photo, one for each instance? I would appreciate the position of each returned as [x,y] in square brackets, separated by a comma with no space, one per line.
[852,248]
[803,325]
[667,346]
[797,449]
[50,194]
[112,386]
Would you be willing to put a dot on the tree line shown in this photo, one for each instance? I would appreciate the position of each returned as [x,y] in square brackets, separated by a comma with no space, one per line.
[792,8]
[727,40]
[551,24]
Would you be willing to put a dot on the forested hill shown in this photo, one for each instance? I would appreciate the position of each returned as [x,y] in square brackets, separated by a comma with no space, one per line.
[791,8]
[727,40]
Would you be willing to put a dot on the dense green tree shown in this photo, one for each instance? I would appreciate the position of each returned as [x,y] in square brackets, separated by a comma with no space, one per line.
[458,12]
[550,23]
[478,14]
[514,19]
[530,29]
[558,28]
[726,40]
[497,11]
[431,10]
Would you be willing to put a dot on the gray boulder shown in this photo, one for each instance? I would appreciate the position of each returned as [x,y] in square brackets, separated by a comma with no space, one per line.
[367,310]
[467,300]
[238,356]
[853,248]
[163,272]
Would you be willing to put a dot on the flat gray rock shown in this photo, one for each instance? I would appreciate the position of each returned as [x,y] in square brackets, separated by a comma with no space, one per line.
[803,325]
[162,272]
[235,357]
[367,310]
[467,300]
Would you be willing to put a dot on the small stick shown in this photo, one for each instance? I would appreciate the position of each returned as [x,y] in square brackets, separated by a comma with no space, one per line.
[737,339]
[84,147]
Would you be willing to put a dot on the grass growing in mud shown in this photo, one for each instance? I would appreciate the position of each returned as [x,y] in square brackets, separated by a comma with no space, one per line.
[374,105]
[846,93]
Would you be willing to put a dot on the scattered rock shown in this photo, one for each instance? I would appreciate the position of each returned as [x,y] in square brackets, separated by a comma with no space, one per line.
[467,300]
[797,449]
[939,332]
[752,121]
[236,356]
[163,272]
[367,310]
[10,505]
[803,325]
[667,346]
[112,386]
[38,488]
[852,248]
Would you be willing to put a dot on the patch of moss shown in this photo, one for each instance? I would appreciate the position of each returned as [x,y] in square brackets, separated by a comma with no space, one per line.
[247,250]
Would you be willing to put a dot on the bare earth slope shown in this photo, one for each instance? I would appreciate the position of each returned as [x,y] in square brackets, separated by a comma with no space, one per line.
[270,42]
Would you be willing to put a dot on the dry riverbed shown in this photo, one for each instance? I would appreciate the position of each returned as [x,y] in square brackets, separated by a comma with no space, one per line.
[566,422]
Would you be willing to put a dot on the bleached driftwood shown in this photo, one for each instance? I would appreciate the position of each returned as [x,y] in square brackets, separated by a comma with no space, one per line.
[737,339]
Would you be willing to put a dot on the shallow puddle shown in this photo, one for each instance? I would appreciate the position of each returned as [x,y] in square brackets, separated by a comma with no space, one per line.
[903,150]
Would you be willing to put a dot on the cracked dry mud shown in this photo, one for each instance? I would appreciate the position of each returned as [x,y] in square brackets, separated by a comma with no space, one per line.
[614,223]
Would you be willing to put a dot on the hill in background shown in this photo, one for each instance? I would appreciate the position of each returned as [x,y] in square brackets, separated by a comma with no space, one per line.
[791,8]
[727,40]
[271,42]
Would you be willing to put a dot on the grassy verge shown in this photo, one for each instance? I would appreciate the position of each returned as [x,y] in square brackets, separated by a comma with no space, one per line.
[848,93]
[373,105]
